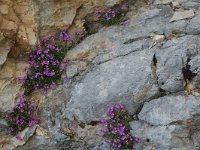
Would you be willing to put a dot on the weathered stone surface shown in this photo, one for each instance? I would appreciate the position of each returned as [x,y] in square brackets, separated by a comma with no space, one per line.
[106,80]
[163,2]
[75,67]
[4,9]
[168,109]
[30,20]
[113,80]
[182,15]
[132,65]
[9,90]
[171,58]
[176,5]
[5,46]
[176,137]
[9,143]
[25,135]
[8,94]
[6,143]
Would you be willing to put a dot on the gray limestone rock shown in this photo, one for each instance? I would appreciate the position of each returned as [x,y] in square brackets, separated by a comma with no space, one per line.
[116,65]
[117,80]
[169,109]
[176,137]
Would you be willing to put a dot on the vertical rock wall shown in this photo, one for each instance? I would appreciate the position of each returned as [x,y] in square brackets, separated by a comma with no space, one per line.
[147,66]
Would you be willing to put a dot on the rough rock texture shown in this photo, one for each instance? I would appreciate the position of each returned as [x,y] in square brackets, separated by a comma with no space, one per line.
[24,22]
[169,109]
[151,66]
[119,79]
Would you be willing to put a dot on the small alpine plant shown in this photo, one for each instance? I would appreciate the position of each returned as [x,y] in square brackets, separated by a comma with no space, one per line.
[47,64]
[116,129]
[115,15]
[21,116]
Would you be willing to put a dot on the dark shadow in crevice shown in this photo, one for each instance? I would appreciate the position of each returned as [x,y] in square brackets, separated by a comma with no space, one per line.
[93,123]
[188,75]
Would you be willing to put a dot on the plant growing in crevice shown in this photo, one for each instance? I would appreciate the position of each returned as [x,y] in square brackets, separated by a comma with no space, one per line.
[21,116]
[48,62]
[188,75]
[114,15]
[116,129]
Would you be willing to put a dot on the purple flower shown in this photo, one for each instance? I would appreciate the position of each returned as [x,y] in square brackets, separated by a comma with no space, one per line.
[125,23]
[58,49]
[53,85]
[46,51]
[65,60]
[102,132]
[32,122]
[119,145]
[62,68]
[42,55]
[65,78]
[137,140]
[77,33]
[110,14]
[38,51]
[65,36]
[45,62]
[124,7]
[49,73]
[18,118]
[97,11]
[119,106]
[31,62]
[26,69]
[18,137]
[116,130]
[50,46]
[44,92]
[33,106]
[10,130]
[103,122]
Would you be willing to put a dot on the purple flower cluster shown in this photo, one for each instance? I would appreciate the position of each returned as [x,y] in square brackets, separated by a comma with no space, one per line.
[116,129]
[65,36]
[110,13]
[46,64]
[113,15]
[21,116]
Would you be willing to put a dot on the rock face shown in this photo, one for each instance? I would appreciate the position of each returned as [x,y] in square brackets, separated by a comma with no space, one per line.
[114,79]
[169,122]
[24,23]
[170,109]
[151,66]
